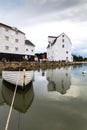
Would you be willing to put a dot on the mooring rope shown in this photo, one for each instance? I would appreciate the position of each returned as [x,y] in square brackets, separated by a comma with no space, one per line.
[10,111]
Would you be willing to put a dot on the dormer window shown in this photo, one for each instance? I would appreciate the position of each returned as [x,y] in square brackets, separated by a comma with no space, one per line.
[6,29]
[49,42]
[16,32]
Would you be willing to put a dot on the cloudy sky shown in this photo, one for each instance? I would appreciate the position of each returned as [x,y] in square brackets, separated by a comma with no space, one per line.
[41,18]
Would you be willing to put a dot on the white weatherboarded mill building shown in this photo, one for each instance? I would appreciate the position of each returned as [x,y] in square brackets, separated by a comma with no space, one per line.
[59,48]
[13,44]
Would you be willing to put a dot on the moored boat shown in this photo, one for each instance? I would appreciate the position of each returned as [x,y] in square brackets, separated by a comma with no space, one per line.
[83,72]
[18,77]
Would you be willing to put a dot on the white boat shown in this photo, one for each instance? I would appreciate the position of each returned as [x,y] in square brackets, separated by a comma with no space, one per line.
[19,78]
[84,72]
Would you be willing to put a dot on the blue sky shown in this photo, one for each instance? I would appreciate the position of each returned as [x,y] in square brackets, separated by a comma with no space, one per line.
[41,18]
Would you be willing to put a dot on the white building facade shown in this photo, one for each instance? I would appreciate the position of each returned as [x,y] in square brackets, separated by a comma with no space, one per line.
[12,43]
[59,48]
[29,49]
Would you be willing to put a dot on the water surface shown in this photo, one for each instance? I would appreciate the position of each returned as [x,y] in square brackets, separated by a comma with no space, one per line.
[55,100]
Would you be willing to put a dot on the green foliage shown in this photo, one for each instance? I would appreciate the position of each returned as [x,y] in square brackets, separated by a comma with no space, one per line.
[4,60]
[79,58]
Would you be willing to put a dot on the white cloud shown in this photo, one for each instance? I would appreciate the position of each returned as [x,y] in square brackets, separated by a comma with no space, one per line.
[39,33]
[40,18]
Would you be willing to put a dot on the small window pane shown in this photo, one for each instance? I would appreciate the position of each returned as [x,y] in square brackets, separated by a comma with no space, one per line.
[62,40]
[16,40]
[26,49]
[7,38]
[6,47]
[16,48]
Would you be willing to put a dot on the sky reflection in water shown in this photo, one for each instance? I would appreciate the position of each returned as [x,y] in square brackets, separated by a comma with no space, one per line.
[59,101]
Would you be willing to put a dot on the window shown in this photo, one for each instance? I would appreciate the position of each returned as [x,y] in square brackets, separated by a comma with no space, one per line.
[16,40]
[16,48]
[66,74]
[62,40]
[16,32]
[49,42]
[63,35]
[62,46]
[66,58]
[6,47]
[26,49]
[32,50]
[6,29]
[66,52]
[7,38]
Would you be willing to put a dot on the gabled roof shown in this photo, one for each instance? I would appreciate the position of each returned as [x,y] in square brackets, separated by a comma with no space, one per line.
[29,43]
[12,28]
[56,37]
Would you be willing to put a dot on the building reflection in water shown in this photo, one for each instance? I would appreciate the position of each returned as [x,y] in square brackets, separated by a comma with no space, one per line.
[59,79]
[23,98]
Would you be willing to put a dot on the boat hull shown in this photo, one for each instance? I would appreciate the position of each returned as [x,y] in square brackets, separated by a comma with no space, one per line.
[19,78]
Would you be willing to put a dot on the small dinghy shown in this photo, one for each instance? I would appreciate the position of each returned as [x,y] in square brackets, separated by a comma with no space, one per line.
[19,78]
[84,72]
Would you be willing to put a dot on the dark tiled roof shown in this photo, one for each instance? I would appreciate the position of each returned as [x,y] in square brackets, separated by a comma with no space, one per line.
[48,46]
[29,43]
[12,28]
[52,36]
[53,41]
